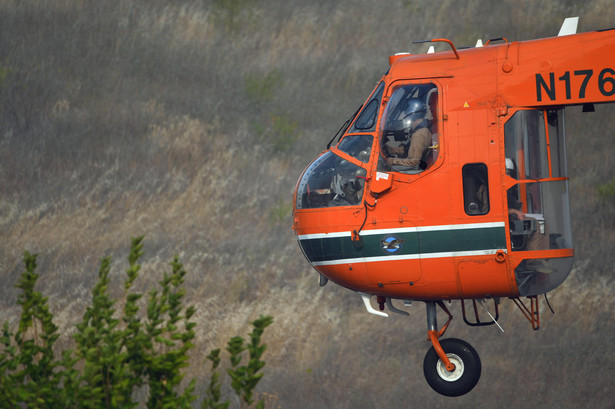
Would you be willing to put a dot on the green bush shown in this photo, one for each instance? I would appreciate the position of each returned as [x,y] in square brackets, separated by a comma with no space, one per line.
[232,13]
[116,354]
[261,88]
[279,132]
[607,190]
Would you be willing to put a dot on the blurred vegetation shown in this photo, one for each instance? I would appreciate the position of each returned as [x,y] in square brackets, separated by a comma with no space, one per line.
[607,190]
[230,13]
[190,121]
[261,88]
[120,359]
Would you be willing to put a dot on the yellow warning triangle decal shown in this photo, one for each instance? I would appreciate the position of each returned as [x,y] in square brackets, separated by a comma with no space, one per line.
[466,105]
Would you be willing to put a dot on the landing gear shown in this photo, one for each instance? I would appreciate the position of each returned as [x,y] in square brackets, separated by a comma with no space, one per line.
[451,367]
[462,378]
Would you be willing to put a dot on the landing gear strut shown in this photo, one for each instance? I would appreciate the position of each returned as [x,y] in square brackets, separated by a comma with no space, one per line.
[452,366]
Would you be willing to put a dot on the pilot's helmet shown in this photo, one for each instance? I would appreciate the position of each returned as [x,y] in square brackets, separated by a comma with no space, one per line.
[510,165]
[414,112]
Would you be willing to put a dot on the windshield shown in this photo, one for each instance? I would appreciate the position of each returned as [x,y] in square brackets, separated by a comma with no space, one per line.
[331,181]
[357,146]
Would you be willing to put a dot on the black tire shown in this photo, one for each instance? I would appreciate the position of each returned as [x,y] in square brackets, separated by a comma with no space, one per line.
[467,368]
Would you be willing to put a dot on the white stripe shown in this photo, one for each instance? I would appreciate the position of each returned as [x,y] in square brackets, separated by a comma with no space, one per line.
[323,235]
[407,257]
[402,230]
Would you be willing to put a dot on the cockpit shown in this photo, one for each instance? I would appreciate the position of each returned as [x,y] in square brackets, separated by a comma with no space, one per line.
[337,177]
[408,136]
[409,129]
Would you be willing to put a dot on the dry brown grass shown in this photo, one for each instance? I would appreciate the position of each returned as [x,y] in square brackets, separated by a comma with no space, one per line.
[126,118]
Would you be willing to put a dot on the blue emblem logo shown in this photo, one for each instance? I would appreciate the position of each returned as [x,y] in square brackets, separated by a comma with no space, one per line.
[391,244]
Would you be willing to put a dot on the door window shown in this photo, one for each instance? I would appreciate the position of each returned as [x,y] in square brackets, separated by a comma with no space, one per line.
[409,128]
[475,189]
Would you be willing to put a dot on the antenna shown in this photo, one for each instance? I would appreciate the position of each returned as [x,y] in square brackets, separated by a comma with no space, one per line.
[440,40]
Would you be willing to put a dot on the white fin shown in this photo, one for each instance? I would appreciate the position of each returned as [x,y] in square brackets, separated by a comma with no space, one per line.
[368,305]
[479,43]
[392,308]
[569,26]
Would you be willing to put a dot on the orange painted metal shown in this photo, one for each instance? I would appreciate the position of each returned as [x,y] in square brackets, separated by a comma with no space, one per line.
[433,337]
[479,90]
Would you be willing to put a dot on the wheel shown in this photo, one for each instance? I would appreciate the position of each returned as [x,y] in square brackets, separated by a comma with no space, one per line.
[465,375]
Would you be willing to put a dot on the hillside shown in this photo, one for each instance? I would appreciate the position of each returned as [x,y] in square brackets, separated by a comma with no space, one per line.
[189,122]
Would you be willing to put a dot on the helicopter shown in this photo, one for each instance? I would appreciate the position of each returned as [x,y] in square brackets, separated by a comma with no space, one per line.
[450,183]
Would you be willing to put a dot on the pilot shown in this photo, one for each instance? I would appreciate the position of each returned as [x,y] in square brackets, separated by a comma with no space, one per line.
[407,154]
[538,239]
[347,187]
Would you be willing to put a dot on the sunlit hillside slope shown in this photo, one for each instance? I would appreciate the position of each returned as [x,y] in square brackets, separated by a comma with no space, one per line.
[189,122]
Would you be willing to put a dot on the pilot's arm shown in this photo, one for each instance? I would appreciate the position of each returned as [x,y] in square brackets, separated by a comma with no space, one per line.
[517,213]
[514,205]
[419,143]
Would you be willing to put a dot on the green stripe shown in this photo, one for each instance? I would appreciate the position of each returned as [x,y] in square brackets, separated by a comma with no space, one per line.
[413,243]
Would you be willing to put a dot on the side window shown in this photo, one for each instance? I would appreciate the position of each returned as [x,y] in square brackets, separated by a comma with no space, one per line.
[409,128]
[538,210]
[366,122]
[526,145]
[475,189]
[557,145]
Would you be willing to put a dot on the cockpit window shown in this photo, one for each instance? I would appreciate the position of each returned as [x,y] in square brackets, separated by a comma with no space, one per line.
[357,146]
[366,122]
[409,128]
[331,181]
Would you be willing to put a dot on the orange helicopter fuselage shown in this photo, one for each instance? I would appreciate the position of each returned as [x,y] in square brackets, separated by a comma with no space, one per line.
[421,233]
